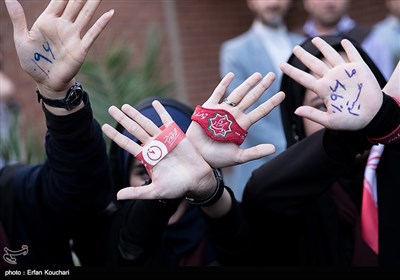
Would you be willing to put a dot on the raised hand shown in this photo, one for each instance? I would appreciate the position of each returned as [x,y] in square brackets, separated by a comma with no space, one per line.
[392,87]
[222,154]
[181,172]
[53,50]
[350,91]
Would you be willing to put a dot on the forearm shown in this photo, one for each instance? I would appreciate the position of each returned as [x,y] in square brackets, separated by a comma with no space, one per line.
[143,225]
[287,183]
[230,232]
[384,128]
[219,208]
[75,175]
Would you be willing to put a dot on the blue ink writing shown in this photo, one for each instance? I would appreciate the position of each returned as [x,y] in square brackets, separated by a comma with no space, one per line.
[48,49]
[353,72]
[359,85]
[337,85]
[38,57]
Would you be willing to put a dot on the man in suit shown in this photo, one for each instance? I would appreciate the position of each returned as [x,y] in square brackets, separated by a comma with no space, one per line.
[330,17]
[266,44]
[388,29]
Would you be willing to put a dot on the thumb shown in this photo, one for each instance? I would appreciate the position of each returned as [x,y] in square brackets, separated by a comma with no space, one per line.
[18,19]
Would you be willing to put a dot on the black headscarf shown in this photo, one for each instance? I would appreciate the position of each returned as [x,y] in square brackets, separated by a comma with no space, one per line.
[293,124]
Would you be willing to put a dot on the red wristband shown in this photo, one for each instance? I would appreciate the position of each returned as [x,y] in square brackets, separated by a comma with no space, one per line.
[219,125]
[157,149]
[394,136]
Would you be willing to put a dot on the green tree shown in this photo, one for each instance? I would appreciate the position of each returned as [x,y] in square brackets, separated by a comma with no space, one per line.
[117,78]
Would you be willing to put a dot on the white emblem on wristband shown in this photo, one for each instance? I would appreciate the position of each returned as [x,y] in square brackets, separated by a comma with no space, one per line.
[157,149]
[154,152]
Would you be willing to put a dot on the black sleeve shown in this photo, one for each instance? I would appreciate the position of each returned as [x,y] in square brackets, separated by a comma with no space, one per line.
[75,180]
[139,233]
[385,123]
[287,183]
[230,235]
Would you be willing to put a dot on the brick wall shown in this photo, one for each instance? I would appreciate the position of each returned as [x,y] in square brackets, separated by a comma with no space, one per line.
[192,32]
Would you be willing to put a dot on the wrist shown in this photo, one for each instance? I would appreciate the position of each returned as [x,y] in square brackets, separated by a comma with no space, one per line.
[213,197]
[384,128]
[72,100]
[50,93]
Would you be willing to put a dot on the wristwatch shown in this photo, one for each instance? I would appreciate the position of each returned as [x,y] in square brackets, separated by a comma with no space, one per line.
[71,100]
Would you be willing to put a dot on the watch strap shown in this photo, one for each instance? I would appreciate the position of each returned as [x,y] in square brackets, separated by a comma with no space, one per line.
[215,196]
[70,100]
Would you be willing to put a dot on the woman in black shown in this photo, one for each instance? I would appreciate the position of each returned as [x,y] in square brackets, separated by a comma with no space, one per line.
[304,206]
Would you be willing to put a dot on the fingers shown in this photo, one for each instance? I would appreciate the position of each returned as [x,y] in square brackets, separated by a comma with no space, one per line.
[330,54]
[257,91]
[238,93]
[86,14]
[136,124]
[56,7]
[130,125]
[392,86]
[351,51]
[221,88]
[121,140]
[164,116]
[313,114]
[94,32]
[126,193]
[73,8]
[255,152]
[136,192]
[18,19]
[312,63]
[303,78]
[265,108]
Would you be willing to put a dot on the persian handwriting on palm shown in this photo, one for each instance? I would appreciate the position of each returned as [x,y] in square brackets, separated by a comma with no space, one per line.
[338,97]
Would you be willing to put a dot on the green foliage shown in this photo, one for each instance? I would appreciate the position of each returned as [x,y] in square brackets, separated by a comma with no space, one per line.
[19,147]
[117,79]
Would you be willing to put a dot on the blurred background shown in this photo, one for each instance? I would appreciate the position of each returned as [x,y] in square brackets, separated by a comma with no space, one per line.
[150,47]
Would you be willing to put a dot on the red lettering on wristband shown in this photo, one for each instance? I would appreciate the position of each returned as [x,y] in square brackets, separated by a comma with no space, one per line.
[392,137]
[157,149]
[219,125]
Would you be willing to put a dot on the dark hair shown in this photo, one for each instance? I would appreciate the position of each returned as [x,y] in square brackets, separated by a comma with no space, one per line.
[293,124]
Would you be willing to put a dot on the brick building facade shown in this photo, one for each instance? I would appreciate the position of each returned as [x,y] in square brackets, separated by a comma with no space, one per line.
[191,31]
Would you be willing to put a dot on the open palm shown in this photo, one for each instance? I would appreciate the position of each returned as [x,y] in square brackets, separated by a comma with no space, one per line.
[350,91]
[53,50]
[223,154]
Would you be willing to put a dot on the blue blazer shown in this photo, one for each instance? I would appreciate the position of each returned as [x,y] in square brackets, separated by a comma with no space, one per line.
[243,56]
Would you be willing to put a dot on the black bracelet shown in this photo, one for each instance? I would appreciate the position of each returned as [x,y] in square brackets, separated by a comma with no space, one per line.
[384,128]
[212,198]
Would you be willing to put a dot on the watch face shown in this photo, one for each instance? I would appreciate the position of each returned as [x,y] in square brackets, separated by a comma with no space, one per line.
[74,97]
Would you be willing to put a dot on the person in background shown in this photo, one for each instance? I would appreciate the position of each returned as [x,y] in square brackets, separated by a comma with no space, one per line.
[260,49]
[332,151]
[44,207]
[330,17]
[184,175]
[310,196]
[389,30]
[155,233]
